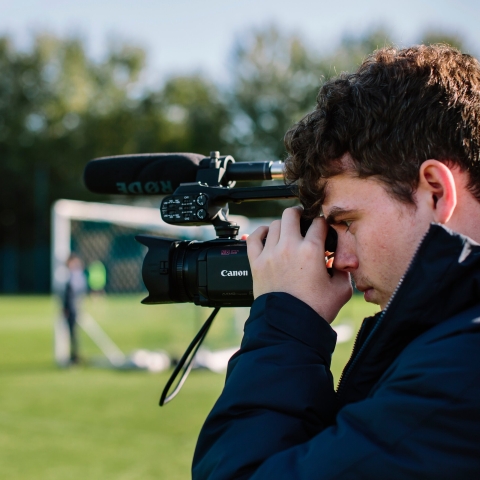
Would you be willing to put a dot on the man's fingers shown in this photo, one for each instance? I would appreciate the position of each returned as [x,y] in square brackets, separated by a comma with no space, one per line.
[255,242]
[317,233]
[291,223]
[273,234]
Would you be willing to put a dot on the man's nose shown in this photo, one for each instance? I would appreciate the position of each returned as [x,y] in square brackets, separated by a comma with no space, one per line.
[345,257]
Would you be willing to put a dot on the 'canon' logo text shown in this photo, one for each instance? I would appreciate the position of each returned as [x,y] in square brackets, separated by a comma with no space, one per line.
[234,273]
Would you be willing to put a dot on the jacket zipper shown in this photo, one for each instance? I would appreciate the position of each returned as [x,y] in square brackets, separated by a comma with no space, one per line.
[355,355]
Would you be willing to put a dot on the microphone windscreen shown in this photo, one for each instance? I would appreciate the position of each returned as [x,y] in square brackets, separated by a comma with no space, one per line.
[141,174]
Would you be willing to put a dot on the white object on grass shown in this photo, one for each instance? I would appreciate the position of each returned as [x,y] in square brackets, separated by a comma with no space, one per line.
[344,332]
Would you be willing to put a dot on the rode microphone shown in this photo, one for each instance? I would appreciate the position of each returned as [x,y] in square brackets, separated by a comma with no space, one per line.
[141,174]
[162,173]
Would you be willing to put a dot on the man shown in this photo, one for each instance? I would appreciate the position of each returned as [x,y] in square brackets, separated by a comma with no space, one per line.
[75,289]
[391,157]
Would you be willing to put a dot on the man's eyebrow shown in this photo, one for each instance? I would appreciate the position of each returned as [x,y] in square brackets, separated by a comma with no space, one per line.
[337,212]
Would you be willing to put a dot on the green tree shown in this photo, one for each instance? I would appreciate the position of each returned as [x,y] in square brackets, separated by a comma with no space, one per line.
[276,80]
[434,36]
[59,109]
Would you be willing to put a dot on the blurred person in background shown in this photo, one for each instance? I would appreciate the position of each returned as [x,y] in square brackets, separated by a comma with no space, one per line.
[75,289]
[391,158]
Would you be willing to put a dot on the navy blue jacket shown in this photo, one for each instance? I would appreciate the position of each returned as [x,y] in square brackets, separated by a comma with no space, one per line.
[408,403]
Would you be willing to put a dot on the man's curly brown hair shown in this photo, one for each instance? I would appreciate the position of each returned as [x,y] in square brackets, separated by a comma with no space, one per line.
[400,108]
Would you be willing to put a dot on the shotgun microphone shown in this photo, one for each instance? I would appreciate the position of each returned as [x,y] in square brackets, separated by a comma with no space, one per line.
[162,173]
[141,174]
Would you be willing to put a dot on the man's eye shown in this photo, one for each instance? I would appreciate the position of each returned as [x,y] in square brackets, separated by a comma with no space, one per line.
[347,223]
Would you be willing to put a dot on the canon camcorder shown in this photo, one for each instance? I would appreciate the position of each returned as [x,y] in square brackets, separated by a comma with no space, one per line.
[214,273]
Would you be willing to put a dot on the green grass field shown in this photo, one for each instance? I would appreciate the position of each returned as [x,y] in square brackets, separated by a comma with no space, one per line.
[92,423]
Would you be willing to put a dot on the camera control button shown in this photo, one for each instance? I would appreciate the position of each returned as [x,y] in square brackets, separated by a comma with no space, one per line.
[201,214]
[202,199]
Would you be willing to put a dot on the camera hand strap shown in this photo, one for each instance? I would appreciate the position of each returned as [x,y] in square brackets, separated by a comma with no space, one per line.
[186,361]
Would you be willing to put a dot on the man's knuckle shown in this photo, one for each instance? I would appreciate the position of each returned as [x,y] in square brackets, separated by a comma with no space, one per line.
[275,224]
[290,211]
[310,248]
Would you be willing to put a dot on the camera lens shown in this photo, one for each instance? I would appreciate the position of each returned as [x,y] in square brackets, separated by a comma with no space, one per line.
[214,273]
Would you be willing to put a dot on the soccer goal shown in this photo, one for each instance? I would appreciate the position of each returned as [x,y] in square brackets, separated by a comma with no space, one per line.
[103,236]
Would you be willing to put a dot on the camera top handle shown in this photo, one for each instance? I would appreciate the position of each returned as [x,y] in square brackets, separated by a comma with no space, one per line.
[206,200]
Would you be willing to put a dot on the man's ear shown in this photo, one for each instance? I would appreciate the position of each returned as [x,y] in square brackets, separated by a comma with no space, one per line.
[437,186]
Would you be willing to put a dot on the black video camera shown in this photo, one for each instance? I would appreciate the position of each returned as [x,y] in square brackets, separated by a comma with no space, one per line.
[215,273]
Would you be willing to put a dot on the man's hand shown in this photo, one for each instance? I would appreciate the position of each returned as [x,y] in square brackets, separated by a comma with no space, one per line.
[296,265]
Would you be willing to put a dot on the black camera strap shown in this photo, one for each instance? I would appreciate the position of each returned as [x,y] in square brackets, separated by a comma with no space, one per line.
[186,361]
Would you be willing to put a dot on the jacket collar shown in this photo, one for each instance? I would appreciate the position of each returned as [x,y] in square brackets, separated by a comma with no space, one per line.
[442,280]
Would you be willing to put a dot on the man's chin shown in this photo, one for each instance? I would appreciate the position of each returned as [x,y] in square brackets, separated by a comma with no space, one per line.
[370,295]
